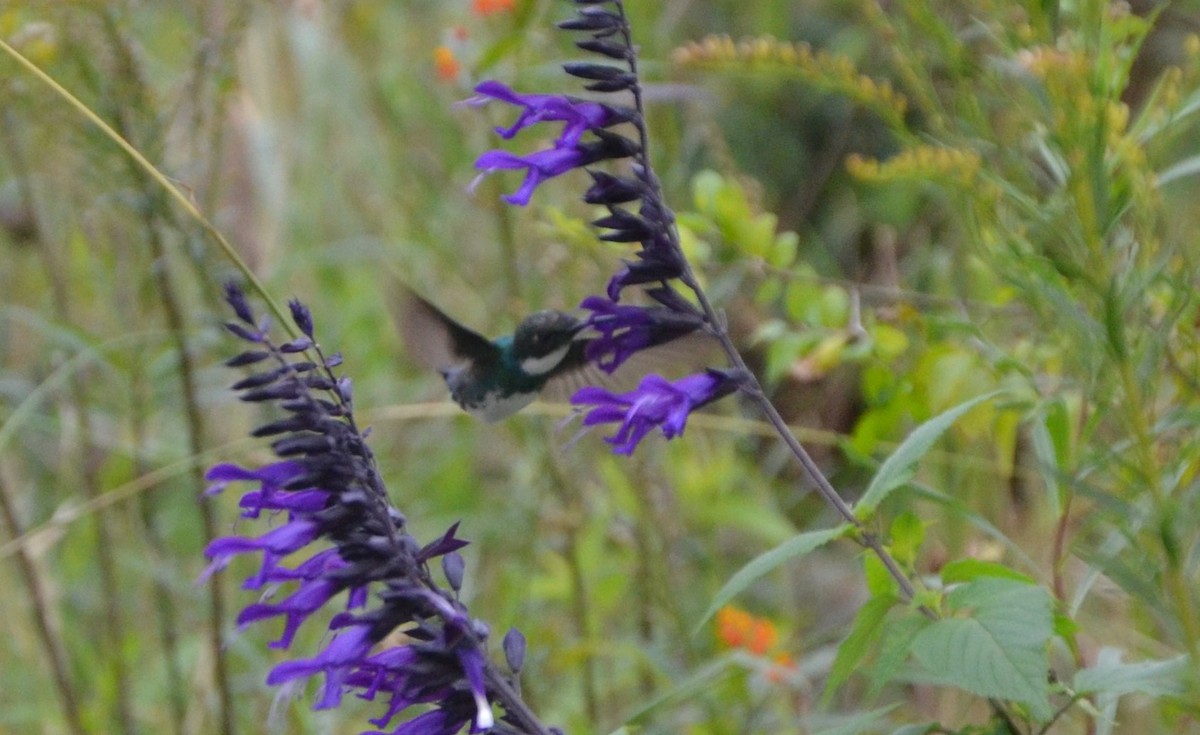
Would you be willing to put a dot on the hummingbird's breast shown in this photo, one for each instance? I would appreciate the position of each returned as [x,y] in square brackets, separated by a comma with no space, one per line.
[494,393]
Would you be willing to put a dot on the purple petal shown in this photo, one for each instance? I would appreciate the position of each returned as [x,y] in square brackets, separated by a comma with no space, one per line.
[347,650]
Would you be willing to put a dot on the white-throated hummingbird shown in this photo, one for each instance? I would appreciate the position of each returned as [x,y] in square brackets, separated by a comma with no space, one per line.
[493,379]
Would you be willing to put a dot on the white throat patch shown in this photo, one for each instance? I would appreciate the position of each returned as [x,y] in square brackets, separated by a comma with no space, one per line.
[546,363]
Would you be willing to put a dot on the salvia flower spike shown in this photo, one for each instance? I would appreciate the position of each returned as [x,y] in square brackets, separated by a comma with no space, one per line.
[340,538]
[637,213]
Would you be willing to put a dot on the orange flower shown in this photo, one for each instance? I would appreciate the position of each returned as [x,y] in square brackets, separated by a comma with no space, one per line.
[492,7]
[445,64]
[737,628]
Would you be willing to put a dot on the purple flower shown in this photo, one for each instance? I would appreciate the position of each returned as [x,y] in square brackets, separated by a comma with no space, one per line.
[625,330]
[568,150]
[539,166]
[325,483]
[577,116]
[347,650]
[656,403]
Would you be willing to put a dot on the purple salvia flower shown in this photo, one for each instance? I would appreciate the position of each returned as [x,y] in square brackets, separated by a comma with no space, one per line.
[568,152]
[625,330]
[577,116]
[655,403]
[539,166]
[348,649]
[329,490]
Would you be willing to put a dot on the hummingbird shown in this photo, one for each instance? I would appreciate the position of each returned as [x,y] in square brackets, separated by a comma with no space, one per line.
[493,379]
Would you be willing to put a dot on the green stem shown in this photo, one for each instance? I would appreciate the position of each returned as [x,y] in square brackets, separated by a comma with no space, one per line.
[42,614]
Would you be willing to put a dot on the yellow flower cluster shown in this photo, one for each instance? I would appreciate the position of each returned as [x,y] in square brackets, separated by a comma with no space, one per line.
[927,163]
[828,71]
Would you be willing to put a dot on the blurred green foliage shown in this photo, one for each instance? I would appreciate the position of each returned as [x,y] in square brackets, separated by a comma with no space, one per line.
[927,202]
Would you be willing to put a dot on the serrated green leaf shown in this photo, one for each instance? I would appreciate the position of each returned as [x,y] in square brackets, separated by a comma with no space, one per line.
[899,468]
[1155,678]
[968,570]
[1000,650]
[768,561]
[864,634]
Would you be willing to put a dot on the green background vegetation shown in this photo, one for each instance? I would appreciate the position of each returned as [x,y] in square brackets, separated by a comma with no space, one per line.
[949,199]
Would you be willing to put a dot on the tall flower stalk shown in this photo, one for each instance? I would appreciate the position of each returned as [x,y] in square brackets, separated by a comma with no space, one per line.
[342,538]
[659,264]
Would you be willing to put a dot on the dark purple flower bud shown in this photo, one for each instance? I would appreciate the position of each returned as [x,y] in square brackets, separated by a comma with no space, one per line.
[333,360]
[606,78]
[236,298]
[300,344]
[444,545]
[625,226]
[248,357]
[258,380]
[673,300]
[281,426]
[613,190]
[302,444]
[610,49]
[593,19]
[302,317]
[514,650]
[654,267]
[243,333]
[599,72]
[609,146]
[453,567]
[655,403]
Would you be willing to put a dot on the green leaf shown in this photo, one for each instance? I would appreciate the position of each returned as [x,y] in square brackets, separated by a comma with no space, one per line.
[880,581]
[857,724]
[864,635]
[897,643]
[1187,167]
[768,561]
[1155,678]
[901,465]
[1000,650]
[968,570]
[906,536]
[697,683]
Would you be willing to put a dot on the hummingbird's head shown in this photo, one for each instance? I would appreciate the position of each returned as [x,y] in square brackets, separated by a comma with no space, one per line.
[543,340]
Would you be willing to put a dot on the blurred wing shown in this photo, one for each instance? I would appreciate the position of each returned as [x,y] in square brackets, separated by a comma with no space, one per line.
[675,359]
[434,339]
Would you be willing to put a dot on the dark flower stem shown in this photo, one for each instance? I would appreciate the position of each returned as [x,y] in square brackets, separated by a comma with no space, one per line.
[751,387]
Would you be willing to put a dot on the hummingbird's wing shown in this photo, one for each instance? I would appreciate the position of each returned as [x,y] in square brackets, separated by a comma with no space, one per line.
[437,341]
[681,356]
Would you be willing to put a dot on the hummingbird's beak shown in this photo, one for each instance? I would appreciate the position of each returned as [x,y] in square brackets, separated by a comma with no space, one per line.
[582,330]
